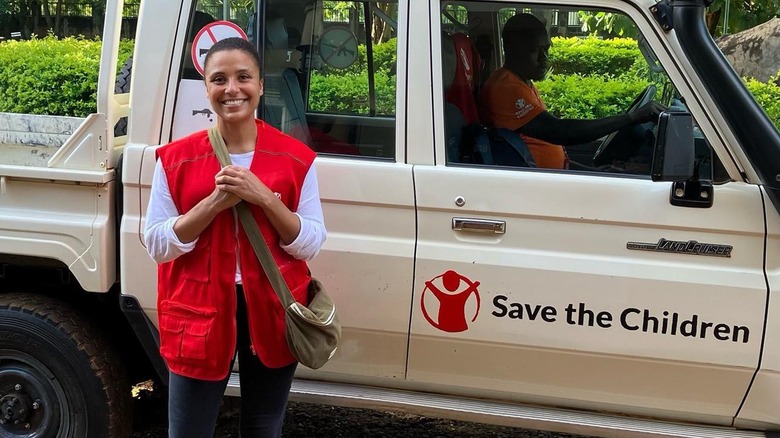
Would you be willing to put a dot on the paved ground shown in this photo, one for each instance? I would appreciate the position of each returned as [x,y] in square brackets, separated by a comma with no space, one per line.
[305,420]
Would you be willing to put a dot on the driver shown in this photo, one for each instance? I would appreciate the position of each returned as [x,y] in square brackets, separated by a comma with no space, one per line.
[510,100]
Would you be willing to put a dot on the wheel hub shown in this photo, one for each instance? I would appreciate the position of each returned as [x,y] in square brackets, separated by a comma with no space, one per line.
[15,408]
[25,398]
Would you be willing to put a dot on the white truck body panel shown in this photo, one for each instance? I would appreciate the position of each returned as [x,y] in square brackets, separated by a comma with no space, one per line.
[557,308]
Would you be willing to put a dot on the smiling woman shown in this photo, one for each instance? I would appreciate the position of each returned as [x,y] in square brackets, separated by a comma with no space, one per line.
[210,281]
[234,87]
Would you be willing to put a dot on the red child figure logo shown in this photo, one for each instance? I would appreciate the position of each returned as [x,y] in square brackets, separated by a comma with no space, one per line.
[452,304]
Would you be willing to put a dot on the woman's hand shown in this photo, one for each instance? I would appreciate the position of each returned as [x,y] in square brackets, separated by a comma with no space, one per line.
[241,182]
[189,226]
[221,199]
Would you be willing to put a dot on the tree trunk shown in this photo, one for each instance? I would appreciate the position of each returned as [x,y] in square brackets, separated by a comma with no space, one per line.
[380,32]
[712,19]
[755,52]
[47,15]
[58,20]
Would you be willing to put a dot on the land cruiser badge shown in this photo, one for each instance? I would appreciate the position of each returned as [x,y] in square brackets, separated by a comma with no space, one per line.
[681,247]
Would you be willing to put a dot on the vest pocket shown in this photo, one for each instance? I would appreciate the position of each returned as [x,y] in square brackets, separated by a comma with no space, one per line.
[184,330]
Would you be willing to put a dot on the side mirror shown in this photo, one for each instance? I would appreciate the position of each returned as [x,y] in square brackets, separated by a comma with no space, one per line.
[674,159]
[673,154]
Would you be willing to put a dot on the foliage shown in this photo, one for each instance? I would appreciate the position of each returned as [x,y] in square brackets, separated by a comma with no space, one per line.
[767,94]
[743,14]
[348,93]
[36,17]
[607,24]
[384,60]
[594,55]
[346,90]
[589,97]
[346,11]
[51,76]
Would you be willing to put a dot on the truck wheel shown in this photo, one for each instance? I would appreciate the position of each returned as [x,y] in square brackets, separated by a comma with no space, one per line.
[58,374]
[122,85]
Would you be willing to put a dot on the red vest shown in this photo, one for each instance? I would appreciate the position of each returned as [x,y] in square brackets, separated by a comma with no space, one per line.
[196,301]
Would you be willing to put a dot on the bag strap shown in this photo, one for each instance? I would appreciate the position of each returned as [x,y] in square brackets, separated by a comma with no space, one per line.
[252,230]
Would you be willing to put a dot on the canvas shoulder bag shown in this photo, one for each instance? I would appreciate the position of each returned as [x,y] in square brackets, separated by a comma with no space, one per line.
[313,333]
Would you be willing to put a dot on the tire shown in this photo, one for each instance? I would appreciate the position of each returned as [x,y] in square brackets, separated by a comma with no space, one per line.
[122,85]
[58,374]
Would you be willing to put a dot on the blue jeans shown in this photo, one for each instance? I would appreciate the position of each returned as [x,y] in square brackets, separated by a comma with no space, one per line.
[193,404]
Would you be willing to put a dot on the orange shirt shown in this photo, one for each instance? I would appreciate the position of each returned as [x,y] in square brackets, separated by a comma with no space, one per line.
[506,101]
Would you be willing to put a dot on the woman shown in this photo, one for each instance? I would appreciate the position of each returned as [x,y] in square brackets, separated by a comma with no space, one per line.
[213,298]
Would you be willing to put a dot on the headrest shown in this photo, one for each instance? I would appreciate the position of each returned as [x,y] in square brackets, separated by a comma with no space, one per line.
[276,33]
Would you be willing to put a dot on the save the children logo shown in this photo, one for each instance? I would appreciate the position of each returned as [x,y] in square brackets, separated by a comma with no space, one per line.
[522,108]
[446,299]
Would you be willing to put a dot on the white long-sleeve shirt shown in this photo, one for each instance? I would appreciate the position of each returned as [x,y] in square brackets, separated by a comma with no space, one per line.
[164,245]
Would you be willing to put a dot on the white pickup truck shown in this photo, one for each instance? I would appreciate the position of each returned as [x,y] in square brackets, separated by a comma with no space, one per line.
[620,302]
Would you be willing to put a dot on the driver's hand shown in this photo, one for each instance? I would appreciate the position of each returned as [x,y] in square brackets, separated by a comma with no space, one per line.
[648,112]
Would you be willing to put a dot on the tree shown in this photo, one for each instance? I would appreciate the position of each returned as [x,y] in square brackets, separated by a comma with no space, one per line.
[381,30]
[742,14]
[607,24]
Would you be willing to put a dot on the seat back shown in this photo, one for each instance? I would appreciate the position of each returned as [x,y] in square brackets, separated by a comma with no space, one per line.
[283,103]
[460,108]
[468,141]
[462,92]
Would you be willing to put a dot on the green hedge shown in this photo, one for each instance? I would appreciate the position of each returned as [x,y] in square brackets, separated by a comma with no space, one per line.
[597,56]
[384,60]
[59,77]
[589,97]
[51,76]
[348,93]
[767,94]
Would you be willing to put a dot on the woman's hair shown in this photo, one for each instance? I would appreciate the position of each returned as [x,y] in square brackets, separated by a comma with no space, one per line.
[234,43]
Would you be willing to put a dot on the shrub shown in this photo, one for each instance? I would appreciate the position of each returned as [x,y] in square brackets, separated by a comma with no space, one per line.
[384,60]
[767,94]
[593,55]
[51,76]
[346,90]
[348,93]
[589,97]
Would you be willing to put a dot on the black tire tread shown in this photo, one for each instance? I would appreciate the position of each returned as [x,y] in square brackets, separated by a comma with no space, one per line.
[122,85]
[103,360]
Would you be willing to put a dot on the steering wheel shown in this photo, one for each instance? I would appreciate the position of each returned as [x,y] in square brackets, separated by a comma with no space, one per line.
[628,135]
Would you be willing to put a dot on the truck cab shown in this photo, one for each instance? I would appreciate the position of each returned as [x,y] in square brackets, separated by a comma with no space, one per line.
[632,294]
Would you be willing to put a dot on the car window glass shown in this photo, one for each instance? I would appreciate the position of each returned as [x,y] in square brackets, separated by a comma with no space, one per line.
[330,74]
[594,69]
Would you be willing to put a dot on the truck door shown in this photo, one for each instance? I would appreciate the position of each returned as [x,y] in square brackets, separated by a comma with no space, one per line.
[584,289]
[330,80]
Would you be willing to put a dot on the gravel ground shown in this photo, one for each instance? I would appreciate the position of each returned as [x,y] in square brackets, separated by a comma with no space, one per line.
[305,420]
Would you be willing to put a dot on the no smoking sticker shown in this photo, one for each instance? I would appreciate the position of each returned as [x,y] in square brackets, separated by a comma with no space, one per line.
[208,36]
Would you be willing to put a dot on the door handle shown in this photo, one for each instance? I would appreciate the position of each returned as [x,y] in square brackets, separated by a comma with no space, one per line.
[478,225]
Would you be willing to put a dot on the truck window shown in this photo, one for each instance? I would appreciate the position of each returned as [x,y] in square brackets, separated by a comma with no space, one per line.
[595,69]
[206,12]
[192,110]
[330,74]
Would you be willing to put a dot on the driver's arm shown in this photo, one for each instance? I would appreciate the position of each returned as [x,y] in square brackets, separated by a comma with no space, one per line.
[551,129]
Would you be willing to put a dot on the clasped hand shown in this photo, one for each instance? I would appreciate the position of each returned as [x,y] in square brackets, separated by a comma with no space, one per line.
[235,183]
